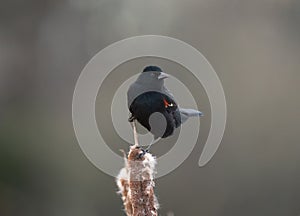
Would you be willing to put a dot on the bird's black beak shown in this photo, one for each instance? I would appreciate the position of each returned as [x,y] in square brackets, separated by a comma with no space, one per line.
[163,75]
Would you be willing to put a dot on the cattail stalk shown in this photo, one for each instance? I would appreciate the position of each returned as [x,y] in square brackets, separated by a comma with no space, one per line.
[136,184]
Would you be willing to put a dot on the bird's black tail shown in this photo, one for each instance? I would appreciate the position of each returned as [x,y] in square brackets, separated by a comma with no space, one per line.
[186,113]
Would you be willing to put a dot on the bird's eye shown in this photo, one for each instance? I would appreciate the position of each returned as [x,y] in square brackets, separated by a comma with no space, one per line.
[153,74]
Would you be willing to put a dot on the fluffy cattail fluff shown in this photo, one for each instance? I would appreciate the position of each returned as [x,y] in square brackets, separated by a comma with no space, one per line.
[135,182]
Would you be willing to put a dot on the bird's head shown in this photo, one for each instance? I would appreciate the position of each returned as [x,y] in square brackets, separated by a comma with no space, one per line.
[153,75]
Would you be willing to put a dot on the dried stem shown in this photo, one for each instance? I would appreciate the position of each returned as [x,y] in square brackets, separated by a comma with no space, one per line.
[135,136]
[135,182]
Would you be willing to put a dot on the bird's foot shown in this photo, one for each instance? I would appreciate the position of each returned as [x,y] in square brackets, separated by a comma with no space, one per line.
[152,142]
[131,118]
[142,154]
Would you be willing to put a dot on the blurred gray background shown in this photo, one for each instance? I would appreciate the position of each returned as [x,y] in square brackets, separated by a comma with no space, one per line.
[254,46]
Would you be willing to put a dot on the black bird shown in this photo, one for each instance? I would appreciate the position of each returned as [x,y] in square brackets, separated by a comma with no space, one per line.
[148,96]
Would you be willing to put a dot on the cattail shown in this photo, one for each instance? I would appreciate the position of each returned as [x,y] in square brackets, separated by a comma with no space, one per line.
[136,184]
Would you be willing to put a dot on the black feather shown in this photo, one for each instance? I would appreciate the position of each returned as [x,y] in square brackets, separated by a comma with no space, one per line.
[152,68]
[150,102]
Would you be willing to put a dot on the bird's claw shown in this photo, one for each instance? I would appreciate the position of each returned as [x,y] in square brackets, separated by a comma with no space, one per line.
[140,155]
[131,118]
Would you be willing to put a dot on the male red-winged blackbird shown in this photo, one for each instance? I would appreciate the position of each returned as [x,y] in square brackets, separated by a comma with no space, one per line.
[147,96]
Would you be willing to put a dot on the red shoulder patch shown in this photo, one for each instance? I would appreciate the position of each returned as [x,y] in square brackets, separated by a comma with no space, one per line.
[166,103]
